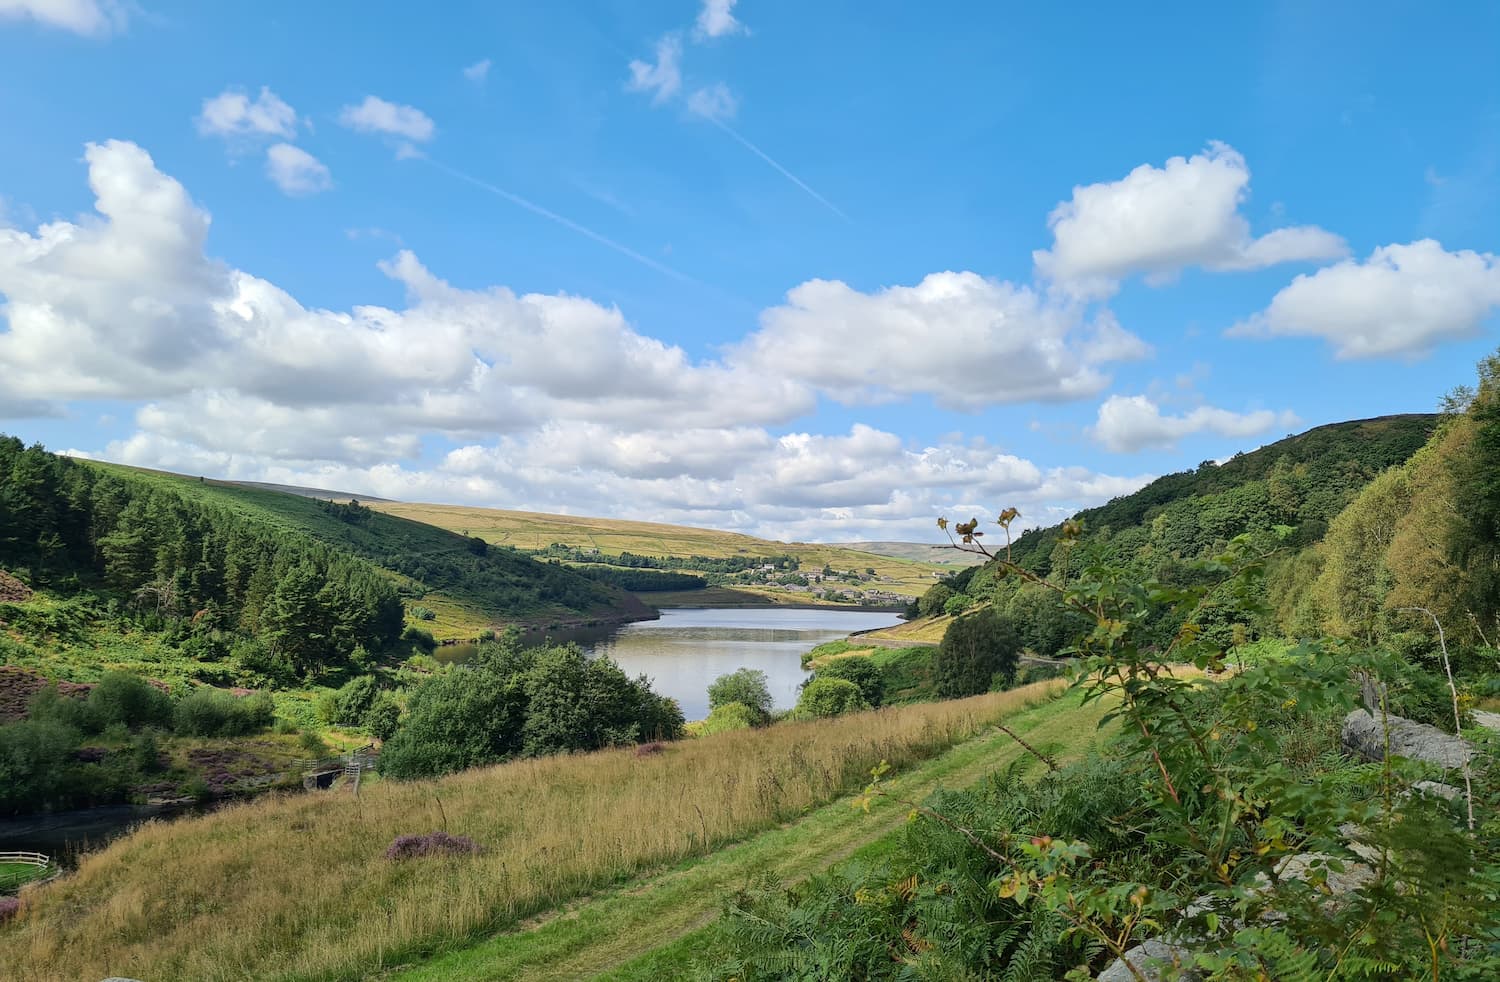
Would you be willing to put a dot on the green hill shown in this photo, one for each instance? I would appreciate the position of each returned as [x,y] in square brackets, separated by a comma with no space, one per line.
[1302,482]
[137,565]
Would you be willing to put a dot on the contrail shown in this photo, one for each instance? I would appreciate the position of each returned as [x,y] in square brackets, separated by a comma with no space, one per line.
[567,223]
[784,172]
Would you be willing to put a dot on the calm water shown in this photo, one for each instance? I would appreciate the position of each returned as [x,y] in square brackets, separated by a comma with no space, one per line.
[689,648]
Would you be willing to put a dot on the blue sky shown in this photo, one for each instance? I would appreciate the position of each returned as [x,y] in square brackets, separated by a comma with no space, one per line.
[807,270]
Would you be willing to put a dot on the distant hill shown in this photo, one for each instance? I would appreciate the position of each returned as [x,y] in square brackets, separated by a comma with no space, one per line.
[536,531]
[921,552]
[309,492]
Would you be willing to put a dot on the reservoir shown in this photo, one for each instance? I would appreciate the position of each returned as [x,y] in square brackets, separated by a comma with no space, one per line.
[688,648]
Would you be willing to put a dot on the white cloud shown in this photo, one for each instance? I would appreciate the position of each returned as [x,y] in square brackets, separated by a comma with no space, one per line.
[1161,220]
[91,18]
[716,19]
[375,115]
[713,102]
[478,72]
[970,342]
[234,114]
[1403,300]
[296,171]
[664,78]
[549,402]
[1127,424]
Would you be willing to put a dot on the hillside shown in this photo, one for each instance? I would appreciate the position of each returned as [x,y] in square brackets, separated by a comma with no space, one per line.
[469,585]
[1303,480]
[612,537]
[921,552]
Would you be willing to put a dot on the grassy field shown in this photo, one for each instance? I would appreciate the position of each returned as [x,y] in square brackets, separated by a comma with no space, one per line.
[533,530]
[655,928]
[15,875]
[310,894]
[925,630]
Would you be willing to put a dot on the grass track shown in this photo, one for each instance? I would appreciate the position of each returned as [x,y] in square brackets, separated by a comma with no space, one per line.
[644,929]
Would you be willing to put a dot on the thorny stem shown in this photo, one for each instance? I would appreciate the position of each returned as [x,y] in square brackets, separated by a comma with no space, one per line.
[1051,764]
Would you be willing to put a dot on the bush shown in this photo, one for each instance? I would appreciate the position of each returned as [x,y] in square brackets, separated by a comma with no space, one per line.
[726,717]
[123,698]
[8,908]
[383,716]
[422,613]
[747,686]
[824,697]
[934,600]
[957,604]
[421,638]
[861,671]
[431,844]
[974,651]
[214,712]
[34,758]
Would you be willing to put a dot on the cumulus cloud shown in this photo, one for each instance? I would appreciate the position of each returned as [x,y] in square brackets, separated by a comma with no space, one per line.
[375,115]
[1402,300]
[662,79]
[478,72]
[1161,220]
[714,102]
[716,19]
[232,114]
[1127,424]
[549,402]
[91,18]
[969,341]
[296,171]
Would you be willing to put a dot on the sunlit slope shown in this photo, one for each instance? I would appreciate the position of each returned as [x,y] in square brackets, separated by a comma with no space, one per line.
[467,588]
[534,530]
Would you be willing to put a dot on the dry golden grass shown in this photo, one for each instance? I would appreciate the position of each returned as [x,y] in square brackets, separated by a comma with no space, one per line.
[928,630]
[534,530]
[297,887]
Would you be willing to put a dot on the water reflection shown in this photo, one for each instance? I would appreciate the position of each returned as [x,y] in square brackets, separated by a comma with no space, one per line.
[688,648]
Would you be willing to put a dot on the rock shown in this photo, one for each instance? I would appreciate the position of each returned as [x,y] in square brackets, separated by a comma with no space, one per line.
[1439,789]
[1149,958]
[1364,736]
[1490,721]
[1352,877]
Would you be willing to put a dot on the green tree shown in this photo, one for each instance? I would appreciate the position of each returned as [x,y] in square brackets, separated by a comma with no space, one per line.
[974,650]
[824,697]
[934,600]
[861,671]
[746,686]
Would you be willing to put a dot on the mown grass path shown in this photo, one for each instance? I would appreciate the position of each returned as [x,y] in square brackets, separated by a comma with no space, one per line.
[617,932]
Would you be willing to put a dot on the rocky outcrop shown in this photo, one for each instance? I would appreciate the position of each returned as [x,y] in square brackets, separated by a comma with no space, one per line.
[1365,736]
[1151,959]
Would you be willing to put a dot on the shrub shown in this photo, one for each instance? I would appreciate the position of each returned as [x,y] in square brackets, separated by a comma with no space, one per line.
[974,651]
[421,638]
[8,908]
[126,699]
[726,717]
[747,686]
[422,613]
[824,697]
[383,716]
[214,712]
[650,749]
[957,604]
[34,758]
[934,600]
[862,672]
[431,844]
